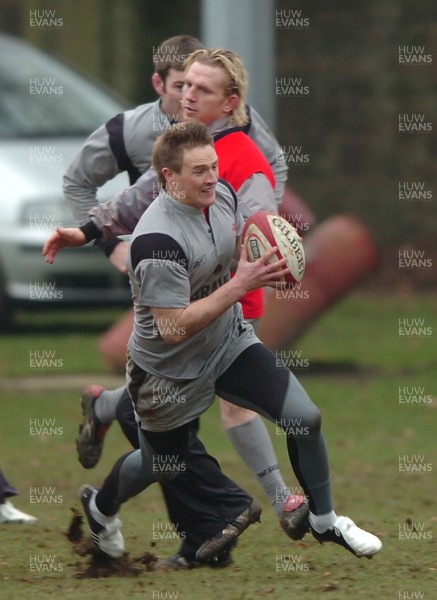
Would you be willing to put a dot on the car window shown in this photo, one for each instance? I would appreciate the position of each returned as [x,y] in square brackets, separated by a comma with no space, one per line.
[41,97]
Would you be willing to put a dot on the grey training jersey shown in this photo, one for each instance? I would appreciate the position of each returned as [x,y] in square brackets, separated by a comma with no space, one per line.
[177,257]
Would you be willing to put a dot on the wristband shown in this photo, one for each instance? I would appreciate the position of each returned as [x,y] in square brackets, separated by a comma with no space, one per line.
[91,231]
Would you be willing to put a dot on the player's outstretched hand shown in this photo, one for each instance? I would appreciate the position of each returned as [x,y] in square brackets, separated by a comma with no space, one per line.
[62,238]
[260,273]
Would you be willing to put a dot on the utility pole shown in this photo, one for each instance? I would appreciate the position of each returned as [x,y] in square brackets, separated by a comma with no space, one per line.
[248,28]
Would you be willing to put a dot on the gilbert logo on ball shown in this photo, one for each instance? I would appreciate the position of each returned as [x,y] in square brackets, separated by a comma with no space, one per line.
[265,230]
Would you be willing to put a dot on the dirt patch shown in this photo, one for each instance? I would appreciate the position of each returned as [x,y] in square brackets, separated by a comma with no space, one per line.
[98,565]
[75,532]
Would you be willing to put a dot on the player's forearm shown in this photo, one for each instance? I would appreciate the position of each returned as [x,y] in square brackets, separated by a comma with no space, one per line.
[200,314]
[120,215]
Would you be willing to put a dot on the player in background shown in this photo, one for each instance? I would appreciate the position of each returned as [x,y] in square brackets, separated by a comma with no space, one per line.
[125,142]
[120,144]
[212,350]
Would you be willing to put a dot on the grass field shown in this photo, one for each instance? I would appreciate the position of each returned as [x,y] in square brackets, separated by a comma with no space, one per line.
[363,375]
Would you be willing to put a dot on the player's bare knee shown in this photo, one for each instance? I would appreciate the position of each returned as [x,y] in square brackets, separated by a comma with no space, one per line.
[233,415]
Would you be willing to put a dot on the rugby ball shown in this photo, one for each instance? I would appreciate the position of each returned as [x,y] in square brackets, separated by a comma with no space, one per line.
[266,229]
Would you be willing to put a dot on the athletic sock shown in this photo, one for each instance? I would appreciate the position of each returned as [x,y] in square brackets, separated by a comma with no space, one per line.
[106,405]
[253,444]
[322,522]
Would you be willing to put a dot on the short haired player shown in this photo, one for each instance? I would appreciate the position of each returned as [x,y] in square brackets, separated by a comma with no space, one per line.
[210,349]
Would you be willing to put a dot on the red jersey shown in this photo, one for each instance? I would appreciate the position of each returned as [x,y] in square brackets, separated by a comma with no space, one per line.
[240,158]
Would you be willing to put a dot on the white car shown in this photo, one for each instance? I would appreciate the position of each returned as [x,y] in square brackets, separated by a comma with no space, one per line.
[47,110]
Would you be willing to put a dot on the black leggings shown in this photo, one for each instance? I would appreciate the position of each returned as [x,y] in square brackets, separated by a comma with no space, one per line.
[202,500]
